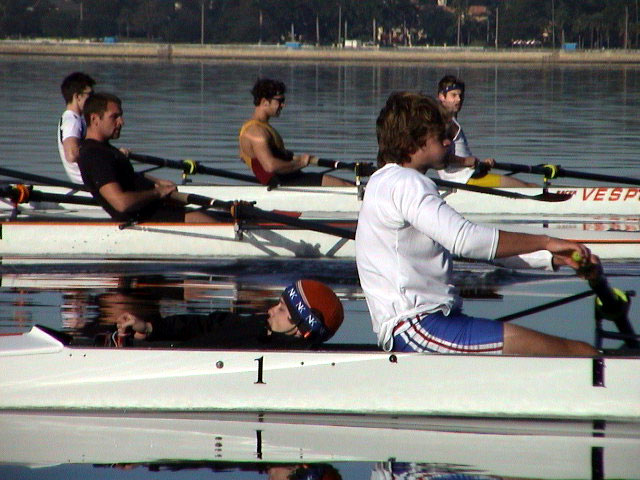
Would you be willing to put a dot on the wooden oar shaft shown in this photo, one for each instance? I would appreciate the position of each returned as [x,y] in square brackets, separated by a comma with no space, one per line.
[246,210]
[190,167]
[553,171]
[40,179]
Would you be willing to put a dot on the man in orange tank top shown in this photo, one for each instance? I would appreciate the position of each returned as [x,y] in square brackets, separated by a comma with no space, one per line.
[262,147]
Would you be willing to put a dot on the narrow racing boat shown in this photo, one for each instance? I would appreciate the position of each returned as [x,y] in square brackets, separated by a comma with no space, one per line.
[321,227]
[590,201]
[38,371]
[89,237]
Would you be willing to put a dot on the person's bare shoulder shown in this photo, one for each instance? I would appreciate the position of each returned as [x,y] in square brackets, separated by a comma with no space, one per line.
[256,132]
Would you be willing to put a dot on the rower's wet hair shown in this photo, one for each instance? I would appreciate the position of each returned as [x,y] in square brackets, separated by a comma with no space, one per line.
[267,88]
[404,124]
[77,82]
[97,103]
[450,82]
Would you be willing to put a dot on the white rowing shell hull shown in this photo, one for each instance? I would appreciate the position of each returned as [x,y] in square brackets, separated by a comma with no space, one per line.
[606,218]
[164,240]
[584,200]
[105,240]
[554,450]
[39,372]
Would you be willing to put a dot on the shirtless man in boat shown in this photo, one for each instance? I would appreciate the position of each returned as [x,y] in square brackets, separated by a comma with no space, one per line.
[262,147]
[109,176]
[307,314]
[463,166]
[407,236]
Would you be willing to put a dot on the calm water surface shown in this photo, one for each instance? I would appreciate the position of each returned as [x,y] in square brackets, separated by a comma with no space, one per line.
[578,116]
[582,117]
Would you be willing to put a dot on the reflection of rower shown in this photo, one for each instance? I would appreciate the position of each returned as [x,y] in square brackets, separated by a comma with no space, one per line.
[275,471]
[320,471]
[308,313]
[424,471]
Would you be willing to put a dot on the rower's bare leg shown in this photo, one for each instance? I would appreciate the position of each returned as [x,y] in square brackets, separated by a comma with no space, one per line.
[330,181]
[524,341]
[506,181]
[198,217]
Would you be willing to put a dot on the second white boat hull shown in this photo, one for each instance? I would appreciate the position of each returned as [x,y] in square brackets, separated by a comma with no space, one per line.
[104,240]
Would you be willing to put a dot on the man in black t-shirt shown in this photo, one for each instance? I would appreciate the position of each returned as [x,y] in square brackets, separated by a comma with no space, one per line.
[109,175]
[307,314]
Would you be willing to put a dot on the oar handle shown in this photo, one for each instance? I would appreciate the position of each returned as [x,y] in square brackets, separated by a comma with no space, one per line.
[179,197]
[201,200]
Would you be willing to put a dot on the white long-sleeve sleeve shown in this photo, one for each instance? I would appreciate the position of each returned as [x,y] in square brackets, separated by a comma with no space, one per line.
[404,244]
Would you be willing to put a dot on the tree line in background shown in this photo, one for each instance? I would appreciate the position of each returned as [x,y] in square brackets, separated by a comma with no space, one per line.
[587,23]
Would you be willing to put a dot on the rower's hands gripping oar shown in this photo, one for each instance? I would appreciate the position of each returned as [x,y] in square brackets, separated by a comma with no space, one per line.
[129,324]
[611,303]
[245,210]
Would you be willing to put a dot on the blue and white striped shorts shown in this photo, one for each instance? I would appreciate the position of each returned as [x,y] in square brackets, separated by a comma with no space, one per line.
[455,333]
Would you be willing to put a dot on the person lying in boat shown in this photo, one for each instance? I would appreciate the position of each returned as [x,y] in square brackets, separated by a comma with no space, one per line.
[407,236]
[262,147]
[463,166]
[307,314]
[109,175]
[76,89]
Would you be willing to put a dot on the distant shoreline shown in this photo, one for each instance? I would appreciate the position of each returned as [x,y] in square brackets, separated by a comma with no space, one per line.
[165,51]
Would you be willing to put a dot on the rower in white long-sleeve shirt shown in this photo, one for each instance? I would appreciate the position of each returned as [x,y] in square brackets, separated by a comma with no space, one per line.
[407,235]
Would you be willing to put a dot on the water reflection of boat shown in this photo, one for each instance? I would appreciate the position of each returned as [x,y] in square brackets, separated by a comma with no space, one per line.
[535,449]
[481,283]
